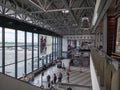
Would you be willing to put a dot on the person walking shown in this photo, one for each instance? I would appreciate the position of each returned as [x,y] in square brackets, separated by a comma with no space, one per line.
[54,78]
[48,80]
[63,66]
[60,77]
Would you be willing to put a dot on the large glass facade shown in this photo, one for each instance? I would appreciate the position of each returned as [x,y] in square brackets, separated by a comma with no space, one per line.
[10,52]
[22,52]
[0,49]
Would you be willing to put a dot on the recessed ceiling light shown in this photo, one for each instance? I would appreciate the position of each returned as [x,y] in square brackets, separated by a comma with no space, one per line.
[65,11]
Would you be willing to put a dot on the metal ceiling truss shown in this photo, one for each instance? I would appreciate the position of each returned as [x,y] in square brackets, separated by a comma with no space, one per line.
[49,13]
[22,14]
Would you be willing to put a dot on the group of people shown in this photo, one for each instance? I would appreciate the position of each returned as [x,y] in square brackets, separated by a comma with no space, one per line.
[56,78]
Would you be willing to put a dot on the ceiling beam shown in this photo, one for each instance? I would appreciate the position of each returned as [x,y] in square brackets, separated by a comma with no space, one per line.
[67,6]
[57,10]
[36,5]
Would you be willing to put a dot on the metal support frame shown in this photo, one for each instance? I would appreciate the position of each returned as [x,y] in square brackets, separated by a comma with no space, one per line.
[3,50]
[38,51]
[32,13]
[60,10]
[55,49]
[23,15]
[25,50]
[61,46]
[52,47]
[32,51]
[16,54]
[67,6]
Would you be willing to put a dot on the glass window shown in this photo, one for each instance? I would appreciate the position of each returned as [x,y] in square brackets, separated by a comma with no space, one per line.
[49,47]
[29,52]
[44,60]
[10,52]
[53,47]
[40,63]
[0,49]
[35,51]
[21,53]
[49,44]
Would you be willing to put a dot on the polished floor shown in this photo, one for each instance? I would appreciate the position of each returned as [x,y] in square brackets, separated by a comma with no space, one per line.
[78,80]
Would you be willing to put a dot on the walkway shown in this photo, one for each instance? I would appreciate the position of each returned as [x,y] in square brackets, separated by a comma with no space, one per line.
[80,80]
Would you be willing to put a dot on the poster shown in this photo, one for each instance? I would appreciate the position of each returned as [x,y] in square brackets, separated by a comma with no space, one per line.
[43,41]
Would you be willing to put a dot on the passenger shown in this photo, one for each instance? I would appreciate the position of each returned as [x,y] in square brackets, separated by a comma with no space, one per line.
[60,77]
[55,78]
[48,80]
[63,66]
[49,84]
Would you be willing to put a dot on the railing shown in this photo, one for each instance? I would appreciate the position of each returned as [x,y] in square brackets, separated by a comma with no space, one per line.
[65,86]
[94,79]
[107,70]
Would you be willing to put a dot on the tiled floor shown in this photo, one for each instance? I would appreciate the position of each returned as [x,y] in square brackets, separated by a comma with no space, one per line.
[76,77]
